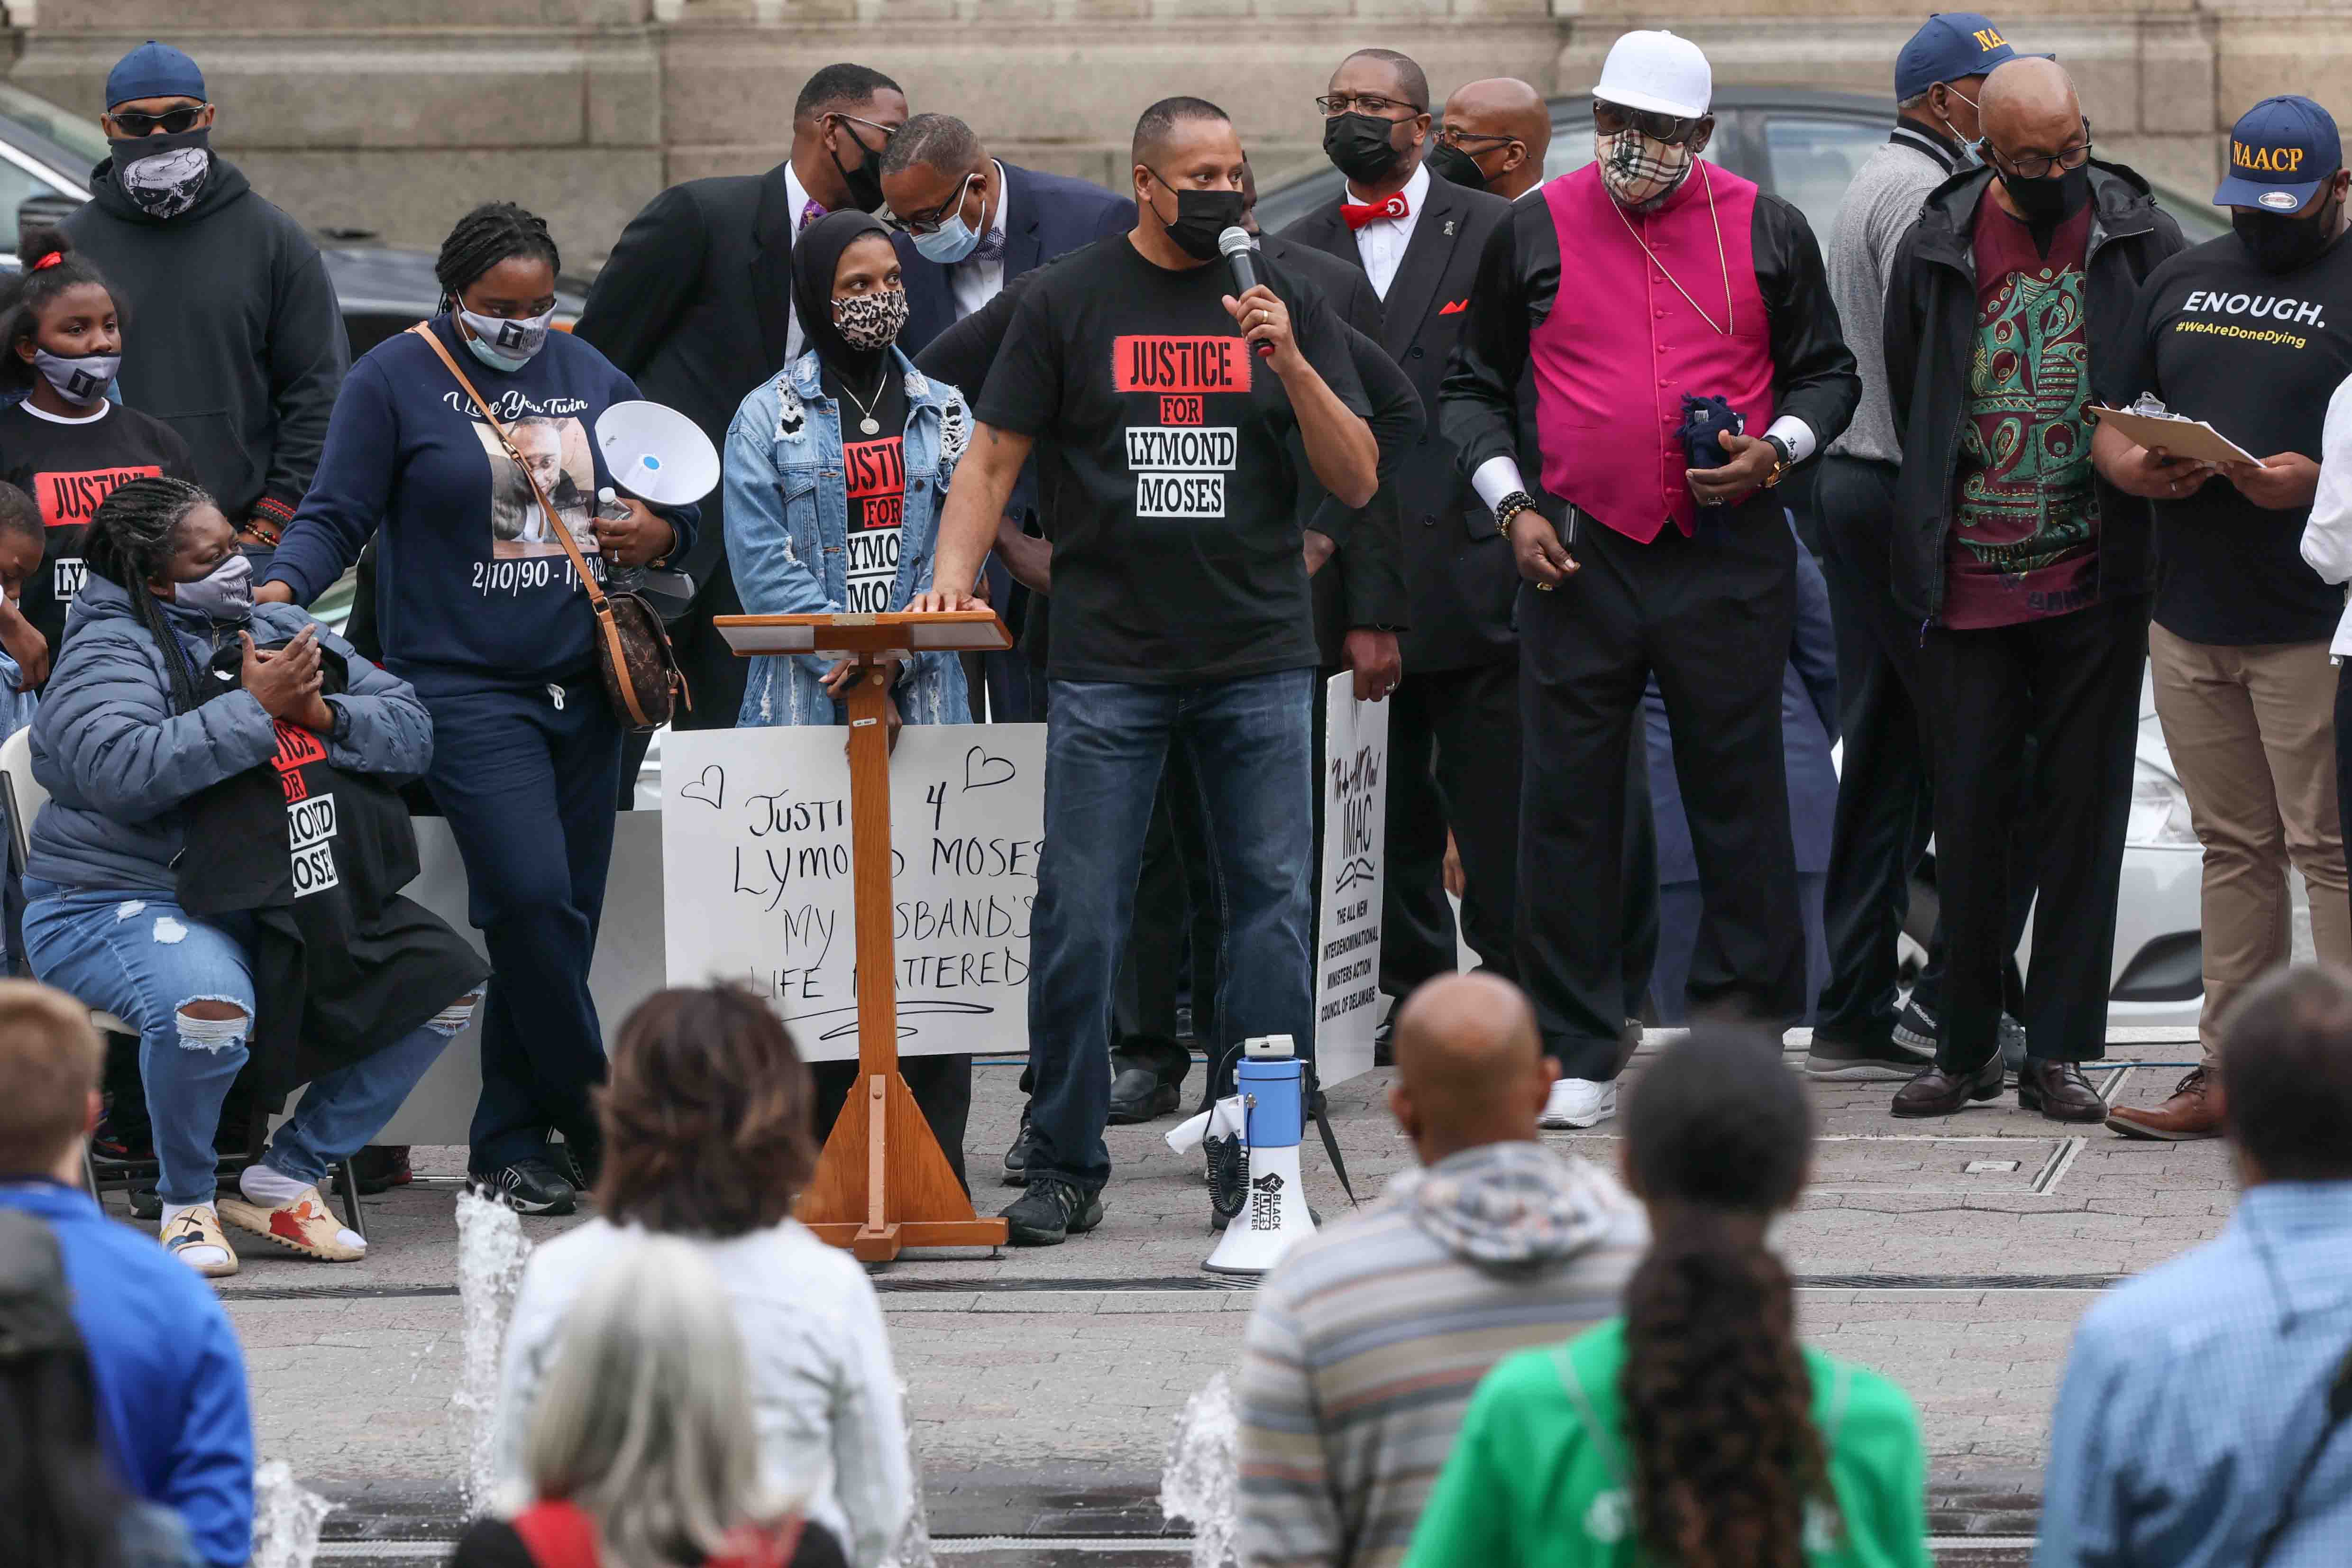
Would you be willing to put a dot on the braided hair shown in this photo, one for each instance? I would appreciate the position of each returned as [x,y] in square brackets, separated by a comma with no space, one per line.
[491,232]
[1726,1460]
[130,542]
[51,265]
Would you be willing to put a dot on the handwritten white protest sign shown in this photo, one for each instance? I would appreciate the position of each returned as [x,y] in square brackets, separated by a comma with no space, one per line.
[1355,786]
[757,885]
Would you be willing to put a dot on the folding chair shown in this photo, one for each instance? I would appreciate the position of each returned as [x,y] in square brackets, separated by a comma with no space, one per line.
[23,798]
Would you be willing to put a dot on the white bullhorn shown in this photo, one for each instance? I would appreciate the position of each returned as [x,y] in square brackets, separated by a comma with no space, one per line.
[657,454]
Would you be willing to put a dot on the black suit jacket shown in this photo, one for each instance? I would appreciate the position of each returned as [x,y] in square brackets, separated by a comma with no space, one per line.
[695,302]
[1459,568]
[1364,582]
[1051,215]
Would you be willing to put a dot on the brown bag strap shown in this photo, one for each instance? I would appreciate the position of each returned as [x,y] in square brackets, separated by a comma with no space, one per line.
[555,523]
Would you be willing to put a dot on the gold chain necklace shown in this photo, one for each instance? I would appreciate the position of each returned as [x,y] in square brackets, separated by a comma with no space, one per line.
[1729,315]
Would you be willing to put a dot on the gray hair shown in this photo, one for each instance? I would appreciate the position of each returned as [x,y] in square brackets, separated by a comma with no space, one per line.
[646,1422]
[939,142]
[1917,101]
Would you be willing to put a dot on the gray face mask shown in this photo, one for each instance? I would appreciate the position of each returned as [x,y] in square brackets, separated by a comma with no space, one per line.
[227,595]
[82,382]
[505,342]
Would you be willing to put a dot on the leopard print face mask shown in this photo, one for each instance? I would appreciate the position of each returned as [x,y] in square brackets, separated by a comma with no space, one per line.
[871,322]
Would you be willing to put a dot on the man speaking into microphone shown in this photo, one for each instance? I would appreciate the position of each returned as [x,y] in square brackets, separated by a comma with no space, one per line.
[1161,397]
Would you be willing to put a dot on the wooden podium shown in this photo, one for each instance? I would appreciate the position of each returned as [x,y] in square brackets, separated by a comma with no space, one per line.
[883,1184]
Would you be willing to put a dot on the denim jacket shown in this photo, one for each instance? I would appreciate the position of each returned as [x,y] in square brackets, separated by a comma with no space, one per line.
[787,522]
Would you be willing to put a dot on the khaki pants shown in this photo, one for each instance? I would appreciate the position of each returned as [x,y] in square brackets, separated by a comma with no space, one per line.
[2253,736]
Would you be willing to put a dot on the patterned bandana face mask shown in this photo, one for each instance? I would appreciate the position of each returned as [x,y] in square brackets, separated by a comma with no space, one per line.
[871,322]
[1639,170]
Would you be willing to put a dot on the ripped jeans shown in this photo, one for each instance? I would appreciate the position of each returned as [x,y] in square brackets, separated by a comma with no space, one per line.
[142,958]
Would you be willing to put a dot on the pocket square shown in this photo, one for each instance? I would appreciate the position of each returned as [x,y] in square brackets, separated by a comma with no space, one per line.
[1455,309]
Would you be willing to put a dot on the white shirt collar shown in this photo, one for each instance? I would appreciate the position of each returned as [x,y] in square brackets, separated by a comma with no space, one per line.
[1003,200]
[1415,192]
[105,406]
[796,196]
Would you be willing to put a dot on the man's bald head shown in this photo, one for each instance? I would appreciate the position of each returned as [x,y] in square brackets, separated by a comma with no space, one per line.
[1505,125]
[2029,106]
[1470,1066]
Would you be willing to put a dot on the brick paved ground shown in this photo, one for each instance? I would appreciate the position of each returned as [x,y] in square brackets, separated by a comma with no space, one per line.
[1038,1405]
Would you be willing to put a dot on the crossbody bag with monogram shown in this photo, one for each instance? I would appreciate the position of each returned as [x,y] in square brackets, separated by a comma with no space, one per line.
[640,671]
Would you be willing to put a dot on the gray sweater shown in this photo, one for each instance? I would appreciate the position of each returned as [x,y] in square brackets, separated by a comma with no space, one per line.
[1881,205]
[1367,1342]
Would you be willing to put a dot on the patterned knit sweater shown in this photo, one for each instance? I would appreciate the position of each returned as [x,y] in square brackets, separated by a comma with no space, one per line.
[1368,1342]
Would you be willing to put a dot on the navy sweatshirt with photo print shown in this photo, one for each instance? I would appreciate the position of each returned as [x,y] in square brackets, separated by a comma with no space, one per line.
[472,587]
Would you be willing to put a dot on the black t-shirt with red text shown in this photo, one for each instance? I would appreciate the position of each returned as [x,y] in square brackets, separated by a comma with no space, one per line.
[1176,542]
[68,468]
[874,475]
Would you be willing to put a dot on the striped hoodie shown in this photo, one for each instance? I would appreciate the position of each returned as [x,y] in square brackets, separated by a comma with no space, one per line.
[1368,1340]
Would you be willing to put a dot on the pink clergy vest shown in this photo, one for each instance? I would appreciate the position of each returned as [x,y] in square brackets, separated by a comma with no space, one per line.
[1621,345]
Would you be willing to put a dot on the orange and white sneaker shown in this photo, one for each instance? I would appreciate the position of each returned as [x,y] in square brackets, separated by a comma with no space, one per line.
[303,1223]
[194,1237]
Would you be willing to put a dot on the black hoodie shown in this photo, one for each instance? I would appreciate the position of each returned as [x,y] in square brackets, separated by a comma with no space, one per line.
[1930,336]
[234,338]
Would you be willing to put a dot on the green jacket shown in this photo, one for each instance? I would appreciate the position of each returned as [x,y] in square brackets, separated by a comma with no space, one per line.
[1538,1476]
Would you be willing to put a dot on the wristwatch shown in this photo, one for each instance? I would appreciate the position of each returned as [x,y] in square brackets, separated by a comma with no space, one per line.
[340,730]
[1509,507]
[1787,458]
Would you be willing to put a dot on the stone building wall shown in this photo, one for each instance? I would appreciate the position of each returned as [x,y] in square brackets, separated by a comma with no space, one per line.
[395,115]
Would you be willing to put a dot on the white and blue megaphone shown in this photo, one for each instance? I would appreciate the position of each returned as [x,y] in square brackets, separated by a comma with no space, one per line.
[662,457]
[1271,1085]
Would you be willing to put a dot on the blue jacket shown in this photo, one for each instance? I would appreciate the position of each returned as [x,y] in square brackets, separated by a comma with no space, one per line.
[464,598]
[118,763]
[1808,728]
[788,530]
[170,1376]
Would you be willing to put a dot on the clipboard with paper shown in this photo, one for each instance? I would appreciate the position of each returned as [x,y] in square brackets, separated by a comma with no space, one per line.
[2150,424]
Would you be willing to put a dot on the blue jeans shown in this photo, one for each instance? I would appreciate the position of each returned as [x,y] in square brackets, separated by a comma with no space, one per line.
[141,957]
[1249,743]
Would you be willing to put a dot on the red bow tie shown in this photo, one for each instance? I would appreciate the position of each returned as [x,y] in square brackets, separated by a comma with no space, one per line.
[1359,213]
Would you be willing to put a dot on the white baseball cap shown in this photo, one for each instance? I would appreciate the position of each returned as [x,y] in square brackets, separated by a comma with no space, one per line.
[1659,72]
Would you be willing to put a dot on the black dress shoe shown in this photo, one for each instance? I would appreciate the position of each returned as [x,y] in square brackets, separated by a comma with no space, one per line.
[1940,1093]
[2059,1090]
[1140,1094]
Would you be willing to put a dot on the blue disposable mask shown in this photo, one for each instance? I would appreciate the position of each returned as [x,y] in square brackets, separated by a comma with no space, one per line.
[954,239]
[504,343]
[224,595]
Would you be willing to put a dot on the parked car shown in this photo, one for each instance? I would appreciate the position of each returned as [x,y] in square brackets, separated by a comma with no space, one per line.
[46,157]
[1806,147]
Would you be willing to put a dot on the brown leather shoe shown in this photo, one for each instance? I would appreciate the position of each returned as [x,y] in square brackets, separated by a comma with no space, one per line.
[2194,1112]
[2059,1090]
[1940,1093]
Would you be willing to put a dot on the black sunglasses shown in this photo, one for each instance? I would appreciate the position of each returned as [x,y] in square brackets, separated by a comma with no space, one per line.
[1609,118]
[131,122]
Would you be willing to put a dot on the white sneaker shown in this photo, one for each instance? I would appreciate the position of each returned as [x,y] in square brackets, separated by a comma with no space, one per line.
[1579,1102]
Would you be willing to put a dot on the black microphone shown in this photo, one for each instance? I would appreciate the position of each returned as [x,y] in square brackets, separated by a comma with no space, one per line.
[1234,243]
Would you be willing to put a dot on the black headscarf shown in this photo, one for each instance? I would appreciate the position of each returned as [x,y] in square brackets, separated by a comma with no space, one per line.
[816,257]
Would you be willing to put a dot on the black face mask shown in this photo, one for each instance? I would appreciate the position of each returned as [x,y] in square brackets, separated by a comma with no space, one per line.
[163,176]
[864,181]
[2048,202]
[1453,163]
[1359,146]
[2285,243]
[1200,216]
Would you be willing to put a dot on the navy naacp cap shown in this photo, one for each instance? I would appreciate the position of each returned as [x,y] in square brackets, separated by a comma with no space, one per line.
[153,71]
[1954,44]
[2280,151]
